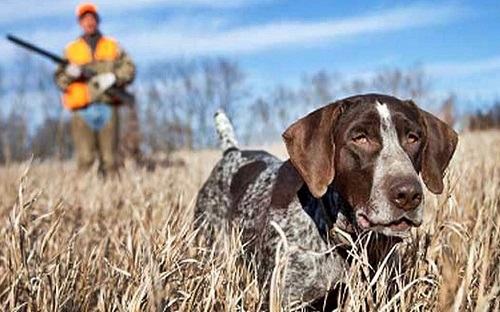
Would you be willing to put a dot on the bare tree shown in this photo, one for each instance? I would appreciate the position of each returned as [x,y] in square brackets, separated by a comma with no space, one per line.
[16,140]
[261,127]
[4,150]
[447,112]
[412,83]
[272,114]
[51,138]
[485,119]
[355,86]
[230,89]
[318,89]
[183,96]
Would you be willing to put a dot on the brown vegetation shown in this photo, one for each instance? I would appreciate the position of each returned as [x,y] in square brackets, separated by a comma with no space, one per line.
[73,243]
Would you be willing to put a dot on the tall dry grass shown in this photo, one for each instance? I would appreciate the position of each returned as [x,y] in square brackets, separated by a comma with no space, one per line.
[77,243]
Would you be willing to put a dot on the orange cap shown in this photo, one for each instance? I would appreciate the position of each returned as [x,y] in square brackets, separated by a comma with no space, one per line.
[86,8]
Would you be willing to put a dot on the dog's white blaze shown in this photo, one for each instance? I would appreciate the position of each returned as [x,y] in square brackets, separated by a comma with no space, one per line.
[390,142]
[384,112]
[392,161]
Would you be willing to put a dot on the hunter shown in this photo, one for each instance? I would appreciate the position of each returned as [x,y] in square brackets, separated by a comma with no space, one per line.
[97,65]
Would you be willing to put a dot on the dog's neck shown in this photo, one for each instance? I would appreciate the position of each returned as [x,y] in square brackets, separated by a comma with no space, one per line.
[328,212]
[334,219]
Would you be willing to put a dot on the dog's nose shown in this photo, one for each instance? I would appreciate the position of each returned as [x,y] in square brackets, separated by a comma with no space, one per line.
[406,195]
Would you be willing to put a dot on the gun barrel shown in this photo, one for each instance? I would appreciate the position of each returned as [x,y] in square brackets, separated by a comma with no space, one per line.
[36,49]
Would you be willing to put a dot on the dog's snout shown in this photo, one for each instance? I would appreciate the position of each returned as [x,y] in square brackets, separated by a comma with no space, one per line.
[407,194]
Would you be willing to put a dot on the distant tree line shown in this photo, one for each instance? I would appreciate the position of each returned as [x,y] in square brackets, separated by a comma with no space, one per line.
[483,120]
[177,99]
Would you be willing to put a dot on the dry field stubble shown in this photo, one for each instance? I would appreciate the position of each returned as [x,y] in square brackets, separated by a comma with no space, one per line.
[71,243]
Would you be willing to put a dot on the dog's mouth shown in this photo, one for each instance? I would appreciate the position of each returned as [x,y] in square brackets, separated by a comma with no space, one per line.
[394,228]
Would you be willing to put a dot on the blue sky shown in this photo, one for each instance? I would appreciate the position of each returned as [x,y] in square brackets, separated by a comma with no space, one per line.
[276,41]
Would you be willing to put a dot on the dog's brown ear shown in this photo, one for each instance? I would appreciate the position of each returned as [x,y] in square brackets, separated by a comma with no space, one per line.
[311,147]
[438,150]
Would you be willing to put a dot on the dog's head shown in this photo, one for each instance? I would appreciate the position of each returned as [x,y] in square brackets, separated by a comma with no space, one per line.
[372,148]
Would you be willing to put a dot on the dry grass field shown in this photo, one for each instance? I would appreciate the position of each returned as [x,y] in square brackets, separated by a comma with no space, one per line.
[78,243]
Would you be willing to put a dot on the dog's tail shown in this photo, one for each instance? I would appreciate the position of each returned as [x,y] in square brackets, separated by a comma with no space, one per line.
[225,131]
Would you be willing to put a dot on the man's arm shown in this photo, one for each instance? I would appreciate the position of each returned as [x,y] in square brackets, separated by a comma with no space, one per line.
[124,69]
[61,78]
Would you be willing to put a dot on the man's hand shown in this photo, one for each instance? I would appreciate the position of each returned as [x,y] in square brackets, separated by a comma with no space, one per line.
[102,82]
[73,71]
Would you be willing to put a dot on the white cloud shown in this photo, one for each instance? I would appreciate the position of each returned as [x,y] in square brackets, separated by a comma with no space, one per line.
[470,80]
[464,69]
[169,41]
[206,35]
[18,10]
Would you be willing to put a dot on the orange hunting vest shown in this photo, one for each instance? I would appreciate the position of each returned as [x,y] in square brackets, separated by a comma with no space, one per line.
[78,52]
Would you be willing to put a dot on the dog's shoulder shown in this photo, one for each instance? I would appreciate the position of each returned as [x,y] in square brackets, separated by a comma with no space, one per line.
[286,185]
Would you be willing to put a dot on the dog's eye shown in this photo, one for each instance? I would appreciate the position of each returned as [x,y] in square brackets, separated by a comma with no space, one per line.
[413,138]
[360,138]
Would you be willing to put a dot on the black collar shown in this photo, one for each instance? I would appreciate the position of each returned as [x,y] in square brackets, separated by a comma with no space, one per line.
[327,212]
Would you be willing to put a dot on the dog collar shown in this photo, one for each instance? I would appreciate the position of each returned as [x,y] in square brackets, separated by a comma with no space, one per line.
[330,214]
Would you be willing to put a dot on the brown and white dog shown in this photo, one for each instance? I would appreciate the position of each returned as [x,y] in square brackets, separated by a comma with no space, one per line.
[354,165]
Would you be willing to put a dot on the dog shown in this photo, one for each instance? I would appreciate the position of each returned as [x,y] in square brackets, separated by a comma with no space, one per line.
[354,168]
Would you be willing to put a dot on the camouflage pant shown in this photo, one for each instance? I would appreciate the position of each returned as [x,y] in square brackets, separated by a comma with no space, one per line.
[102,143]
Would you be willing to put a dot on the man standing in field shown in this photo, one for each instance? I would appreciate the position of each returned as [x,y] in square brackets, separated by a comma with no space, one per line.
[96,74]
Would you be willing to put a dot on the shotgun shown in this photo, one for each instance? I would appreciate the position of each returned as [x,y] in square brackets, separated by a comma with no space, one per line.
[120,94]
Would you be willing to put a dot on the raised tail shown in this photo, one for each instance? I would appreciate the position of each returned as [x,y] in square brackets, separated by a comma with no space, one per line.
[225,130]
